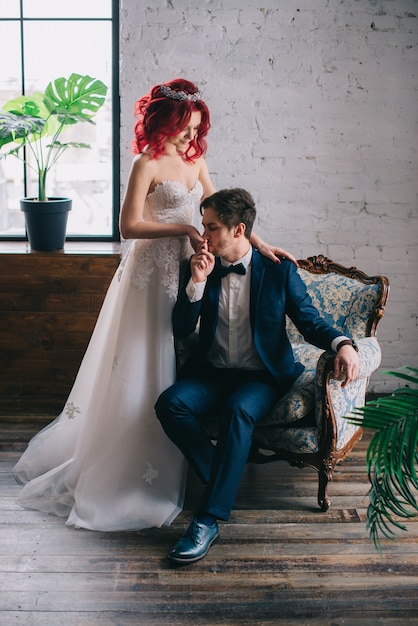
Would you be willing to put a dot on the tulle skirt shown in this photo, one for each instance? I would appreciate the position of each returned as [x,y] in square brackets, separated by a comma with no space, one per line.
[105,463]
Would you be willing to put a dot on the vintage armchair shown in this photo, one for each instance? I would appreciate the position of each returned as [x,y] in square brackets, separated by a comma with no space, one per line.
[307,426]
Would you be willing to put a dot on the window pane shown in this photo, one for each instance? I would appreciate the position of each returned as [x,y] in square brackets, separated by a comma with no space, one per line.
[12,221]
[9,8]
[54,48]
[11,169]
[82,174]
[75,8]
[10,50]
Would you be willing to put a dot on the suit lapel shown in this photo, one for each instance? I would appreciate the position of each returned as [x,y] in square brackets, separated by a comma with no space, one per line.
[257,275]
[210,306]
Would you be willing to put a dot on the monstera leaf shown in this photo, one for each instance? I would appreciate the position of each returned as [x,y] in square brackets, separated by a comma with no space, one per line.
[21,120]
[75,99]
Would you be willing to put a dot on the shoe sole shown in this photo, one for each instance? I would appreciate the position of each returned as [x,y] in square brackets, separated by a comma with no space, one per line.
[196,558]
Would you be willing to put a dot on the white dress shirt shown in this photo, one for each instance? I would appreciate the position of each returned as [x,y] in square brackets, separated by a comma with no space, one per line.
[233,345]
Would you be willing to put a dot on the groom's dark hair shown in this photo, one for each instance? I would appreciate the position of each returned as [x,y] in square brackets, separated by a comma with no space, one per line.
[233,206]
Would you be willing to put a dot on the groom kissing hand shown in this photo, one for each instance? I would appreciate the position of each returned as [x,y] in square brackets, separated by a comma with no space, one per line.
[243,362]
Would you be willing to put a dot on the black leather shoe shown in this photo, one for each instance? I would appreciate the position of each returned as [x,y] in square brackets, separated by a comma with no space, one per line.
[195,543]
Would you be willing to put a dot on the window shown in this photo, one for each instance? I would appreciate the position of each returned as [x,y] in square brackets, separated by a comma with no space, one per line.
[41,40]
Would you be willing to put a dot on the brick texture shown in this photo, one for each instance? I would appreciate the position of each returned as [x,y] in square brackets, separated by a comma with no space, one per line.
[314,111]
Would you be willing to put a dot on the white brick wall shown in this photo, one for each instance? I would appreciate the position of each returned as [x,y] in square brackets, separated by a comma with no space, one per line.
[314,111]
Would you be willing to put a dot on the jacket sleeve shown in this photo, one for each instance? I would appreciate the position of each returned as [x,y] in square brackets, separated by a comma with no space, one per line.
[304,314]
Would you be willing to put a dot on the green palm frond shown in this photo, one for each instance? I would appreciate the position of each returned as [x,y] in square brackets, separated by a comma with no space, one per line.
[392,456]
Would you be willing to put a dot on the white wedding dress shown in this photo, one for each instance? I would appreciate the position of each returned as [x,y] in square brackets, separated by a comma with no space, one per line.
[105,463]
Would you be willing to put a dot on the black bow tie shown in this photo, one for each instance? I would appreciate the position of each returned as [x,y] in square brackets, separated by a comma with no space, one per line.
[238,269]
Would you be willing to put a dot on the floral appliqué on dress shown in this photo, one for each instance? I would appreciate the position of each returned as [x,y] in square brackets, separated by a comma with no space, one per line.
[71,410]
[150,474]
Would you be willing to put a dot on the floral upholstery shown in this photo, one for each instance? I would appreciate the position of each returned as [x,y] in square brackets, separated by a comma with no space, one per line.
[343,302]
[307,438]
[300,399]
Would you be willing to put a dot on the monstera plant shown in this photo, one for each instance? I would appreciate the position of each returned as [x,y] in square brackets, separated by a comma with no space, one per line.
[392,457]
[33,125]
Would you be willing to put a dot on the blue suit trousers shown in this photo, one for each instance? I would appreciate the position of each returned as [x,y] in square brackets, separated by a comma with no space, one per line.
[240,398]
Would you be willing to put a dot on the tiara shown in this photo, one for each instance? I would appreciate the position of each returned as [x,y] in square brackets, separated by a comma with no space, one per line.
[179,95]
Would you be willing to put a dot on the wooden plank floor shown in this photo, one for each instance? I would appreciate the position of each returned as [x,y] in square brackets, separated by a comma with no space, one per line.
[279,560]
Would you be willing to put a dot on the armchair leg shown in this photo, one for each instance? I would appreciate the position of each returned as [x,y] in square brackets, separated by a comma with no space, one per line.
[324,476]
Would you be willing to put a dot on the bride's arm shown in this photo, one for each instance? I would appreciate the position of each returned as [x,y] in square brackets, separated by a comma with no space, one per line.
[205,179]
[131,222]
[271,252]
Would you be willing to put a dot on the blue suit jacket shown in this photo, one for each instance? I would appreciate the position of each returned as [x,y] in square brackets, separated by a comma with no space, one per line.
[276,291]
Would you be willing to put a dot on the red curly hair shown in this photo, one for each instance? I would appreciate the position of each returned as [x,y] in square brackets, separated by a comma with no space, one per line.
[160,117]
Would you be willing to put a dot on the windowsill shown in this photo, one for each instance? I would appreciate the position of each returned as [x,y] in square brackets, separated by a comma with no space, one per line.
[100,248]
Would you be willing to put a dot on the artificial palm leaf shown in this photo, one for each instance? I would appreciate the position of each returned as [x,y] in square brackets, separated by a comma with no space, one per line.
[392,456]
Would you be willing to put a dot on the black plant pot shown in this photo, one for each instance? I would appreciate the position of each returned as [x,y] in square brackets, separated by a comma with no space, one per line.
[46,222]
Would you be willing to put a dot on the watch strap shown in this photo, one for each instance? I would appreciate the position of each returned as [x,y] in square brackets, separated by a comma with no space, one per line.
[348,342]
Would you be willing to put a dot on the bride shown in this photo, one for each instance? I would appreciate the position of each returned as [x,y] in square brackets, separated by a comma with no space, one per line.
[105,462]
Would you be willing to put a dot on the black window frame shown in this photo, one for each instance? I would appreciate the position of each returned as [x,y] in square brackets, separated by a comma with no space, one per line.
[115,235]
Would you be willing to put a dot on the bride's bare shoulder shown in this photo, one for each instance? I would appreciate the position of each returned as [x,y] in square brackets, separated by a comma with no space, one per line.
[144,163]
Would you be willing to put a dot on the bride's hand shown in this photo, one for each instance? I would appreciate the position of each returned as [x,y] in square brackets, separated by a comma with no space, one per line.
[274,253]
[195,237]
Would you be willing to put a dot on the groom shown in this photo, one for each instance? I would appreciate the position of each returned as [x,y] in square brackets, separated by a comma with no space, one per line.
[244,361]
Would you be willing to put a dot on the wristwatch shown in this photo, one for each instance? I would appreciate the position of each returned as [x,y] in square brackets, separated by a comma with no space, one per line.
[347,342]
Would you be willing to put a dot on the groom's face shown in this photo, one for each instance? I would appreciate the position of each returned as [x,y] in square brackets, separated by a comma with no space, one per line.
[222,241]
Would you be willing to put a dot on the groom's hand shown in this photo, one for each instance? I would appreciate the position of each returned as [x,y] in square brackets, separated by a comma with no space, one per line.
[202,263]
[346,362]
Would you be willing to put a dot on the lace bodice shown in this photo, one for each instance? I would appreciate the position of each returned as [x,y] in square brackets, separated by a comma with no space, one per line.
[171,203]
